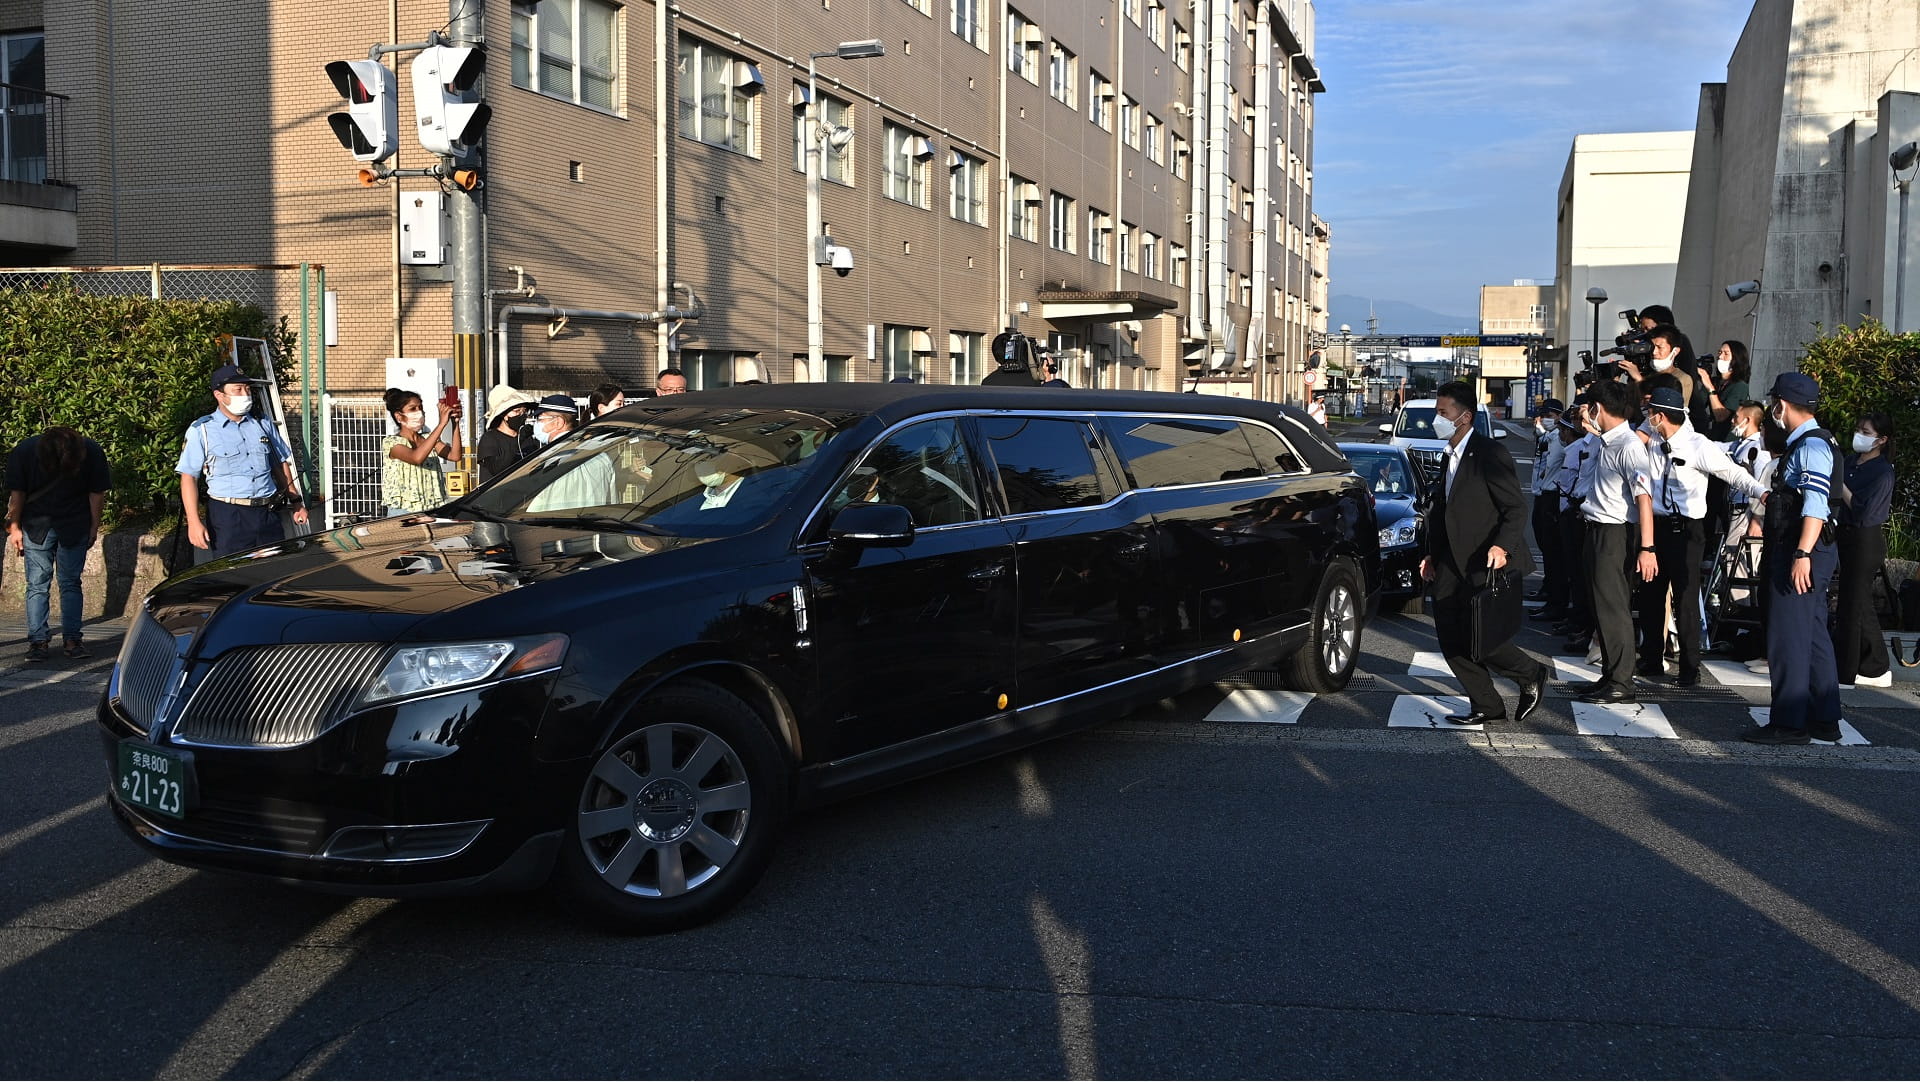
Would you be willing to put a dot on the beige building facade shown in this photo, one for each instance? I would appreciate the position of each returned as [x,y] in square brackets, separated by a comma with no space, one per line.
[1525,307]
[1128,181]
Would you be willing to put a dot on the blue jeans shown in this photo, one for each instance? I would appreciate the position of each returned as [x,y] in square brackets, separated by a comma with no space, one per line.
[42,556]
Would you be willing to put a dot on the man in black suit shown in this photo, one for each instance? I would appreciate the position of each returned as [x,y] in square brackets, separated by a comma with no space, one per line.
[1476,525]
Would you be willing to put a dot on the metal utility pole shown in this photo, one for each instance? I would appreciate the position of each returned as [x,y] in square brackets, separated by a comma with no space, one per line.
[466,218]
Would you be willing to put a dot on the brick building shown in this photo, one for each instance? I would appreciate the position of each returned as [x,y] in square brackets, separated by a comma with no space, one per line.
[1128,180]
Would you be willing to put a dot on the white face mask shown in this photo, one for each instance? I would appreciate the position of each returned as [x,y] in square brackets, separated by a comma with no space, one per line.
[541,434]
[413,419]
[1741,432]
[1443,427]
[1661,364]
[1780,416]
[1723,366]
[239,404]
[1862,443]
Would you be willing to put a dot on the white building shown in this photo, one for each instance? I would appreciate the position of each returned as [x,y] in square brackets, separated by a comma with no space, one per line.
[1623,198]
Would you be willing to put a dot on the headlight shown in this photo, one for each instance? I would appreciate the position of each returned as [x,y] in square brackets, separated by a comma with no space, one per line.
[1404,532]
[424,670]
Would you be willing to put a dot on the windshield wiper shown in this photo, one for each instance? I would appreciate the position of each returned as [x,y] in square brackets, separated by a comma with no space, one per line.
[597,521]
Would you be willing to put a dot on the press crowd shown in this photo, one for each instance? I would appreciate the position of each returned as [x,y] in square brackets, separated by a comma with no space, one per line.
[1665,467]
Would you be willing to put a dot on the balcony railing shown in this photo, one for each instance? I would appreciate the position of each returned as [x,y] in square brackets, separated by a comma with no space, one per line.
[33,143]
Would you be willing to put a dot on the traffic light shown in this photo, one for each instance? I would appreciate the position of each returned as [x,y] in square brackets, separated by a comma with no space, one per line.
[369,126]
[450,118]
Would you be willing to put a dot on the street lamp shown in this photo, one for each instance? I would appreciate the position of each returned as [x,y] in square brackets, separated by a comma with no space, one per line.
[817,253]
[1900,161]
[1596,297]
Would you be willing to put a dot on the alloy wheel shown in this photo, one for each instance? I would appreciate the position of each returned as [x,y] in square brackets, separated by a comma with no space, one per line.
[664,810]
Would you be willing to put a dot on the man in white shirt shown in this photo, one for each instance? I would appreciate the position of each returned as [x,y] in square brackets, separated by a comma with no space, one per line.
[1682,460]
[1619,512]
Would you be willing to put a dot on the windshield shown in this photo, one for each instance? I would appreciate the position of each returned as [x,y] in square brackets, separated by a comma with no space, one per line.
[1386,474]
[1416,423]
[687,471]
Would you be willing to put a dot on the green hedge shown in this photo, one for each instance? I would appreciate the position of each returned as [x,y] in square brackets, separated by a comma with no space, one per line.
[128,372]
[1867,368]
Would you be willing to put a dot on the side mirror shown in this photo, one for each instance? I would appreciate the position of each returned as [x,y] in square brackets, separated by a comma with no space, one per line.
[1499,432]
[1386,429]
[877,525]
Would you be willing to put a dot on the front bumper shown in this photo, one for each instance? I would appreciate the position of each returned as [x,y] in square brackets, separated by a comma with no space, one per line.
[434,795]
[1400,572]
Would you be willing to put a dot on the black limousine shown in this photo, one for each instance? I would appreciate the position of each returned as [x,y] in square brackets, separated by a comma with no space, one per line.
[623,664]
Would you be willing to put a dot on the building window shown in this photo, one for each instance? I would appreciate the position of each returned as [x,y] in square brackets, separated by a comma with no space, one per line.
[969,188]
[836,162]
[1060,222]
[717,95]
[1132,8]
[1152,136]
[1246,204]
[1182,47]
[1130,120]
[1062,67]
[1247,113]
[1023,47]
[1176,265]
[1023,209]
[1128,260]
[924,7]
[568,49]
[1157,23]
[708,369]
[964,351]
[1246,290]
[1149,254]
[969,22]
[23,105]
[908,349]
[906,165]
[1537,314]
[1099,236]
[1182,157]
[1100,100]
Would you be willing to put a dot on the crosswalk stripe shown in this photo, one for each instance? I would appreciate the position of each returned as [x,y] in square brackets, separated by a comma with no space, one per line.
[1259,707]
[1623,719]
[1849,736]
[1429,712]
[1733,674]
[1430,663]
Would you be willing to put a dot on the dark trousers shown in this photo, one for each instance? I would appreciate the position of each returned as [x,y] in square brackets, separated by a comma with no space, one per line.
[1573,542]
[1806,690]
[235,528]
[1858,648]
[1546,534]
[1678,543]
[1609,547]
[1453,625]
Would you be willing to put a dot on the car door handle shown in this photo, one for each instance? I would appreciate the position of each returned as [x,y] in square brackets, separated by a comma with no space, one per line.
[991,571]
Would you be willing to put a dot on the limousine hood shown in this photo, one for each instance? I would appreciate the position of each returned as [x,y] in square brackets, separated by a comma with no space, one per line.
[373,581]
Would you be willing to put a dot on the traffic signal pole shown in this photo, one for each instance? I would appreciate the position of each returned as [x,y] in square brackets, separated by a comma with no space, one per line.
[468,236]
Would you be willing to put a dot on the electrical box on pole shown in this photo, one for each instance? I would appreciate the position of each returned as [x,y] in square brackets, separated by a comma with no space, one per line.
[369,127]
[450,118]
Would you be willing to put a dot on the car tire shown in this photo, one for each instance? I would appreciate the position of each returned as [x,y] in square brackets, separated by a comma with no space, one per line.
[677,817]
[1326,661]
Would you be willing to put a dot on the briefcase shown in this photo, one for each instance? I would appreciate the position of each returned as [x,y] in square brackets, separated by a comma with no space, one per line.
[1496,613]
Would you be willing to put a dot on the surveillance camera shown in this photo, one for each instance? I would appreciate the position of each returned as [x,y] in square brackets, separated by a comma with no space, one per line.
[841,259]
[1825,269]
[1742,289]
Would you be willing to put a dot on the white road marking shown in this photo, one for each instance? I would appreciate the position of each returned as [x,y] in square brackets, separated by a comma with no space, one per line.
[1430,663]
[1622,719]
[1735,674]
[1575,668]
[1849,736]
[1261,707]
[1429,712]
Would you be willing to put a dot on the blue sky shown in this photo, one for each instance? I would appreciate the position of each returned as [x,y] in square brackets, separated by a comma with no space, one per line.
[1445,128]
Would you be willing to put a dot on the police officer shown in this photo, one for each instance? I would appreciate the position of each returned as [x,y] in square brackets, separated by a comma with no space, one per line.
[1683,460]
[1800,562]
[247,468]
[1547,453]
[1618,508]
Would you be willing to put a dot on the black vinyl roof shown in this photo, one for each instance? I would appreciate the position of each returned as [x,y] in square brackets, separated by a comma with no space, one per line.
[893,402]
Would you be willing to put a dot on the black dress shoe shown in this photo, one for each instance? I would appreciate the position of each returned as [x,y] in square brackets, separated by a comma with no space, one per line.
[1609,696]
[1829,733]
[1564,628]
[1530,695]
[1586,687]
[1688,678]
[1774,734]
[1475,718]
[1650,672]
[1537,595]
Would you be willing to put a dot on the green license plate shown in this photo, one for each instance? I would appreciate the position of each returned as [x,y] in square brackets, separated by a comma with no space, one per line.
[156,779]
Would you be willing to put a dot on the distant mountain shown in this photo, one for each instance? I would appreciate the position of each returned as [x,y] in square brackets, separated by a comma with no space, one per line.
[1396,317]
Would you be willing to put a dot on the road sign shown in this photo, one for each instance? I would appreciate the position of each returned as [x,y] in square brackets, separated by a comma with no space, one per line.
[1450,341]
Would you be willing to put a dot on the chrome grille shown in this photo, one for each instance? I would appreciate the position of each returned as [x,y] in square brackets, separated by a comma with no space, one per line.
[146,660]
[276,696]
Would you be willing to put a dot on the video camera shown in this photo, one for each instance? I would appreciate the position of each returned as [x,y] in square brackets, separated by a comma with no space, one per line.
[1635,344]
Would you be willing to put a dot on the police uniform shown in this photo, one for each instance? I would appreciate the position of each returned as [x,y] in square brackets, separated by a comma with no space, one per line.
[1574,481]
[1545,516]
[237,463]
[1622,474]
[1806,689]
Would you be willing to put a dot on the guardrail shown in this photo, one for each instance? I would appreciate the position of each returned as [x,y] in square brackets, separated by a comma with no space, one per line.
[33,137]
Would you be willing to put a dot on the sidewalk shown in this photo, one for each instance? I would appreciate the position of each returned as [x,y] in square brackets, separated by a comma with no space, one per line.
[102,635]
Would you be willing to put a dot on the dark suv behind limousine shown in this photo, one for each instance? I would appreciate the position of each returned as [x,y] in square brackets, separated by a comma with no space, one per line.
[625,662]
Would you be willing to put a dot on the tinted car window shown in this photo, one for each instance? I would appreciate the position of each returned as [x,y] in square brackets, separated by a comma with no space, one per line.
[1416,422]
[1385,474]
[1270,451]
[924,468]
[1044,463]
[1164,451]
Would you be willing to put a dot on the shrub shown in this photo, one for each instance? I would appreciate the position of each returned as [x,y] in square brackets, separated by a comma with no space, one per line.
[128,372]
[1867,368]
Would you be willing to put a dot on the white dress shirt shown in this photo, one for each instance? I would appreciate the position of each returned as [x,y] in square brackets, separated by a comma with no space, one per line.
[1681,465]
[1621,474]
[1454,451]
[1751,455]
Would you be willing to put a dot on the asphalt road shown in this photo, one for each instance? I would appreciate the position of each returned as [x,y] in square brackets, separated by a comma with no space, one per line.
[1162,896]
